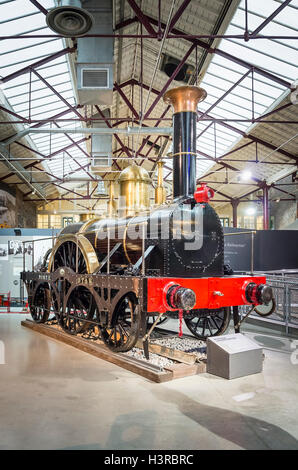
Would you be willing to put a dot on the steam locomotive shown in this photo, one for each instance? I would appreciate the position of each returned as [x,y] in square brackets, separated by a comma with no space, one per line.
[116,274]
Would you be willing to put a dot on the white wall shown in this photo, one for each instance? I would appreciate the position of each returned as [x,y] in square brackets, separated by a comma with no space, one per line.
[11,264]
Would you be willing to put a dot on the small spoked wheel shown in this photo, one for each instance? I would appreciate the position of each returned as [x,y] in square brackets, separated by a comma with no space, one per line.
[41,304]
[153,318]
[209,323]
[125,328]
[80,307]
[265,310]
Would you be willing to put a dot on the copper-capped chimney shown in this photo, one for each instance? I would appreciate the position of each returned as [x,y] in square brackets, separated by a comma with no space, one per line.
[184,100]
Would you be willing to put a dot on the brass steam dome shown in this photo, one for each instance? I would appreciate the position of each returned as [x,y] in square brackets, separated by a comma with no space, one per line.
[134,184]
[134,173]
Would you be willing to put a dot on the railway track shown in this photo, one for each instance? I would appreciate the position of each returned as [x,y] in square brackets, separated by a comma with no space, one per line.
[166,362]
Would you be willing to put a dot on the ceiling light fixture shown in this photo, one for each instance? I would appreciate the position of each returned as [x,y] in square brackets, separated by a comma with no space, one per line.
[245,175]
[251,210]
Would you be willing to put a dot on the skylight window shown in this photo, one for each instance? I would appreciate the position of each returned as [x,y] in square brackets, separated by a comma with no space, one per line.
[277,57]
[28,88]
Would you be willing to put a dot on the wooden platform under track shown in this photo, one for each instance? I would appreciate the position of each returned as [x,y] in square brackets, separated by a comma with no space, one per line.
[140,367]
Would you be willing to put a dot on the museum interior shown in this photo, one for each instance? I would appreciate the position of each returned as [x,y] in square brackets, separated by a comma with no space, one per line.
[148,225]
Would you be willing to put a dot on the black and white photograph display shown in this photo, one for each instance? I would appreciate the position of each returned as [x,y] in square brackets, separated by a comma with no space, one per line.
[7,209]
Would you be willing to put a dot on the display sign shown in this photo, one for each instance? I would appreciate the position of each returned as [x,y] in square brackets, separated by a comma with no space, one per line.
[235,343]
[272,249]
[233,356]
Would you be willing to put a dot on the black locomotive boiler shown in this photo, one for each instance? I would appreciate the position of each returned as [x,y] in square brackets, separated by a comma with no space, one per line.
[118,273]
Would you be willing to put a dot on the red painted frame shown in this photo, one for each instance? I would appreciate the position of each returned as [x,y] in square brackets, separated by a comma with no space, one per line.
[232,288]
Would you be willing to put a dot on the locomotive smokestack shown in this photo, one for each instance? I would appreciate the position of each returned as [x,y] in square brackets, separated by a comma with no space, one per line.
[184,100]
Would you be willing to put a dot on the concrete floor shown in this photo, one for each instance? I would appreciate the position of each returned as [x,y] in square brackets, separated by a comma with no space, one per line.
[55,397]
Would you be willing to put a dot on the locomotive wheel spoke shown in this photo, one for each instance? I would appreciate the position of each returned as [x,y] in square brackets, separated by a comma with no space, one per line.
[204,326]
[80,308]
[66,256]
[41,304]
[206,323]
[124,333]
[215,322]
[80,302]
[70,254]
[151,320]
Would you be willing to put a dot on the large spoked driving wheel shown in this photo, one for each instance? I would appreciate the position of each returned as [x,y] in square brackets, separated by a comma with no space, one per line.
[41,304]
[209,323]
[125,329]
[70,256]
[80,307]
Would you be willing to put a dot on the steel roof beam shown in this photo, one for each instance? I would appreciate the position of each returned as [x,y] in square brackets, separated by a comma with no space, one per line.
[226,165]
[129,149]
[73,158]
[126,100]
[146,87]
[39,6]
[64,149]
[9,175]
[221,98]
[95,130]
[20,172]
[221,193]
[18,116]
[272,112]
[166,86]
[72,108]
[273,15]
[242,133]
[116,136]
[142,18]
[253,138]
[127,22]
[42,170]
[282,190]
[81,198]
[134,120]
[38,64]
[64,181]
[31,150]
[145,141]
[69,190]
[178,14]
[227,56]
[48,157]
[181,35]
